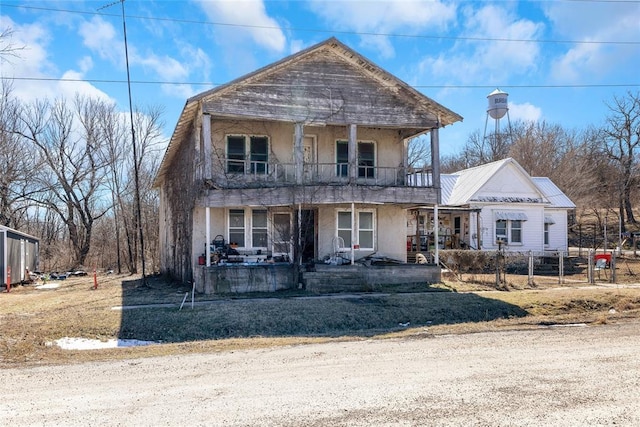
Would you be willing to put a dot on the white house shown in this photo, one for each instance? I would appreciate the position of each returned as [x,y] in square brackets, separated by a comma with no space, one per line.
[496,205]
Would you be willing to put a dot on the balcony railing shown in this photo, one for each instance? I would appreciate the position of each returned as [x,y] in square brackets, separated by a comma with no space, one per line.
[253,173]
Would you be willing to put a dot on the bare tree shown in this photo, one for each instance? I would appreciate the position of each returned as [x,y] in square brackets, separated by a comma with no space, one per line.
[7,47]
[16,162]
[621,137]
[72,176]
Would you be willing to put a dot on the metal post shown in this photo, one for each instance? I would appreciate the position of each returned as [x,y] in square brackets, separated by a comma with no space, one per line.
[561,267]
[590,277]
[613,268]
[530,278]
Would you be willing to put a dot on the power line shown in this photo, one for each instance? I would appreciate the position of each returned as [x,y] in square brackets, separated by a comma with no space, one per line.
[210,84]
[357,33]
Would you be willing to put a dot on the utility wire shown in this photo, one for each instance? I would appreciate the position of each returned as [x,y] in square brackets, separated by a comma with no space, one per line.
[210,84]
[319,30]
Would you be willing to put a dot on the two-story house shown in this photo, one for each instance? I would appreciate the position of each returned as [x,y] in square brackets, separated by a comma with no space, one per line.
[303,161]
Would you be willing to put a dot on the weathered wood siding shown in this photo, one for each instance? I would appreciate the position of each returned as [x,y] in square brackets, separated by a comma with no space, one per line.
[322,88]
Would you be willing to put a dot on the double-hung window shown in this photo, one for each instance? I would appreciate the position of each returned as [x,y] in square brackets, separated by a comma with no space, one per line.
[236,227]
[254,148]
[259,154]
[248,228]
[366,159]
[259,228]
[509,230]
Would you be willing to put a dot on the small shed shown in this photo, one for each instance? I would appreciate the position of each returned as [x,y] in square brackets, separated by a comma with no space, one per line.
[18,255]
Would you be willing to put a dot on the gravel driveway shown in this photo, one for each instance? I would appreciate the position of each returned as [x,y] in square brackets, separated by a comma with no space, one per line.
[562,376]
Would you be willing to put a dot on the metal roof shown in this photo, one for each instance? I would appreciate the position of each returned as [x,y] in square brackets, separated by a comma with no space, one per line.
[551,191]
[458,189]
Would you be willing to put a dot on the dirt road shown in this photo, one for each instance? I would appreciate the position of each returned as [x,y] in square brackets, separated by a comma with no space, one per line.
[562,376]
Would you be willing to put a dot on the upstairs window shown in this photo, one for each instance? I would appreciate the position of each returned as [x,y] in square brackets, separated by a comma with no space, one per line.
[366,159]
[241,148]
[342,158]
[259,152]
[235,154]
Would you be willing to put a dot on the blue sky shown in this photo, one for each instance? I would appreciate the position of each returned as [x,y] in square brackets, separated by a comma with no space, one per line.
[560,61]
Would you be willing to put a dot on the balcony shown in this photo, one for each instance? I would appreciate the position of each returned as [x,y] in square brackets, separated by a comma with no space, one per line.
[234,173]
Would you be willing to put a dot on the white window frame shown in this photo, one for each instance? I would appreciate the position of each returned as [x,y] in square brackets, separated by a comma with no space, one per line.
[546,234]
[358,230]
[247,228]
[345,173]
[262,229]
[247,166]
[509,229]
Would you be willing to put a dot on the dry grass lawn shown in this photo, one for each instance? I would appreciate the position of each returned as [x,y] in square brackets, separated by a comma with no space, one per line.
[32,318]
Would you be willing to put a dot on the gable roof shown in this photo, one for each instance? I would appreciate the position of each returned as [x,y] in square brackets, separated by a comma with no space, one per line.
[290,96]
[459,188]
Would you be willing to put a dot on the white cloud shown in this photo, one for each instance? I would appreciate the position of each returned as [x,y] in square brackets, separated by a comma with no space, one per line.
[69,89]
[487,62]
[581,62]
[251,19]
[33,61]
[385,17]
[525,112]
[101,37]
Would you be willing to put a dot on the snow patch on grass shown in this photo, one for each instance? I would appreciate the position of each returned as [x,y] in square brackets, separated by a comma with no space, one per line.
[68,343]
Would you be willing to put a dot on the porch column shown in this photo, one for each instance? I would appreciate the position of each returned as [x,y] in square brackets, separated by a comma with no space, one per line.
[478,228]
[436,232]
[353,152]
[435,159]
[353,232]
[298,151]
[207,233]
[206,146]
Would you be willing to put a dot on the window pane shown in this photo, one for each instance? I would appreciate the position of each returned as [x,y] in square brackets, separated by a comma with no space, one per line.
[259,219]
[344,220]
[346,236]
[236,218]
[366,239]
[366,220]
[501,228]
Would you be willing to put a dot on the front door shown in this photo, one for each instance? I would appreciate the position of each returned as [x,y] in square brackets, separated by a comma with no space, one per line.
[308,235]
[309,158]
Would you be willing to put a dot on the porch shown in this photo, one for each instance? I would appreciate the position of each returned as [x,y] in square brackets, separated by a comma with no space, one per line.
[272,277]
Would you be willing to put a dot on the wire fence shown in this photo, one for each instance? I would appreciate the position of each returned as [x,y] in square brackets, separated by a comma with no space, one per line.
[578,266]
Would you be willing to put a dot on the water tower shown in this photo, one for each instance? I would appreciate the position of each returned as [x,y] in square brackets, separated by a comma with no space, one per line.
[498,107]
